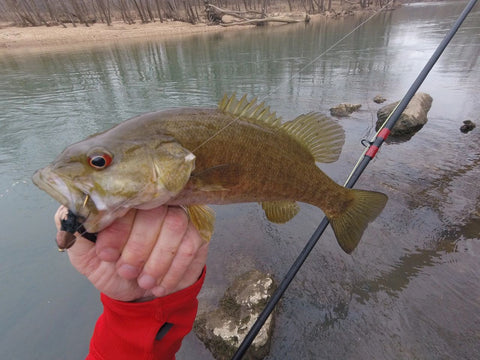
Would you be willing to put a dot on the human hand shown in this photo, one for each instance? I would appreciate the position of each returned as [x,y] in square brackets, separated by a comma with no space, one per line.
[143,255]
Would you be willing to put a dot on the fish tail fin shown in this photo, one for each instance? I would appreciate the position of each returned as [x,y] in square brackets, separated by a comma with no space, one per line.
[350,224]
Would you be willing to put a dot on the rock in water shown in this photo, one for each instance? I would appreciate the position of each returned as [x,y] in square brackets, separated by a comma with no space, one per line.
[413,117]
[223,330]
[343,110]
[379,99]
[467,126]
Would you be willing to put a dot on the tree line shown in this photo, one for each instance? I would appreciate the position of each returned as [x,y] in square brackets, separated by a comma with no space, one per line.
[87,12]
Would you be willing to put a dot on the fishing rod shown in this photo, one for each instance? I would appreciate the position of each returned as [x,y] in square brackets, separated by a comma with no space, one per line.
[367,155]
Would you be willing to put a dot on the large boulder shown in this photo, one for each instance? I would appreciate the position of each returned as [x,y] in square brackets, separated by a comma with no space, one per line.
[413,117]
[223,329]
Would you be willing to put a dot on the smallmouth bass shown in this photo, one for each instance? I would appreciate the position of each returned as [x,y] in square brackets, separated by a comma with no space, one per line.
[238,152]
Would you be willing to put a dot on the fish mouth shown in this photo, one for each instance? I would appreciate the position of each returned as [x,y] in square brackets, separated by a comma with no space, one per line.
[50,182]
[90,209]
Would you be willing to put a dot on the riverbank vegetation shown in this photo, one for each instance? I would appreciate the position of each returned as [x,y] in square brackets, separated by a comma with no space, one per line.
[88,12]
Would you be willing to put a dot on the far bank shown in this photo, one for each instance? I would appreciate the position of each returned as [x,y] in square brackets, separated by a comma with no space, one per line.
[68,32]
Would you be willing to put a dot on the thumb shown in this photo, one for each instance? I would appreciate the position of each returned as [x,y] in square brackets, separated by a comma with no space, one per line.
[82,252]
[83,255]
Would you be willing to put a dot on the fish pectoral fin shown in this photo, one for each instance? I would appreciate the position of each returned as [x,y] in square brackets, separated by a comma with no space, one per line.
[203,218]
[322,136]
[349,225]
[216,178]
[172,166]
[280,212]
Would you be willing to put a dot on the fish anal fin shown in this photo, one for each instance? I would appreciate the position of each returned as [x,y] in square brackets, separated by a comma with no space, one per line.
[321,135]
[280,211]
[249,110]
[203,218]
[350,224]
[216,178]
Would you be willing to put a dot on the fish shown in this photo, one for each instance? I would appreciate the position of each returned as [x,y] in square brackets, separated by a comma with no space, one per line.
[238,152]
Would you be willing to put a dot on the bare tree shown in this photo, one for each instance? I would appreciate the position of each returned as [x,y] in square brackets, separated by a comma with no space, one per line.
[140,10]
[125,12]
[105,10]
[53,12]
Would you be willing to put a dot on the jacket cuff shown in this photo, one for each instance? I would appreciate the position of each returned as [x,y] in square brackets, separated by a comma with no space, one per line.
[128,330]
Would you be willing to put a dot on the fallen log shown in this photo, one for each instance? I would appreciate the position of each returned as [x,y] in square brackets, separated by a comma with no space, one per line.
[262,21]
[249,17]
[239,14]
[215,14]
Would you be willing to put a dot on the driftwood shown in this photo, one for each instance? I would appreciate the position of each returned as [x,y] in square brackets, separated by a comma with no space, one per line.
[215,15]
[263,21]
[238,14]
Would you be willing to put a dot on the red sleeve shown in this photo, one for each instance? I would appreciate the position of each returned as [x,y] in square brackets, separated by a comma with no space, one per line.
[148,330]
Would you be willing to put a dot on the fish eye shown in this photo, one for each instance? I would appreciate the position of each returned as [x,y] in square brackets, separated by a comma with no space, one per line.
[99,161]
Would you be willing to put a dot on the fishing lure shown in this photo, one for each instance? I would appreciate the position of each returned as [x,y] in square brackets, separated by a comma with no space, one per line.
[68,227]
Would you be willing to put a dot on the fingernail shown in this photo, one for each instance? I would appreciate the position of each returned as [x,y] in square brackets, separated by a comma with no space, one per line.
[146,281]
[128,271]
[159,291]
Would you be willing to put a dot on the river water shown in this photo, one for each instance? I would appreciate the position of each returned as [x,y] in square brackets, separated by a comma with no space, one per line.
[411,290]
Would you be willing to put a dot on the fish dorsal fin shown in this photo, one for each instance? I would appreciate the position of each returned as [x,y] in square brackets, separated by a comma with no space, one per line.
[322,136]
[203,218]
[249,110]
[280,212]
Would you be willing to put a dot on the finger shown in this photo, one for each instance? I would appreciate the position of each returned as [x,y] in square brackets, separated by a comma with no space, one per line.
[83,256]
[172,282]
[64,239]
[170,237]
[184,257]
[111,240]
[142,239]
[61,214]
[195,270]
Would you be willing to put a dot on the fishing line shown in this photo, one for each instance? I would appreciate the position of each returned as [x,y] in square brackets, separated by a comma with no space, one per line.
[367,144]
[364,160]
[298,72]
[8,190]
[332,46]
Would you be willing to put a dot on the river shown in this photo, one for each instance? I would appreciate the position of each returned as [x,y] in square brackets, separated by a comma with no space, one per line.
[411,290]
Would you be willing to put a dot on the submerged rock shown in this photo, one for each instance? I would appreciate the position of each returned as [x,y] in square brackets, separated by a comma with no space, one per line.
[467,126]
[343,110]
[379,99]
[413,117]
[223,329]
